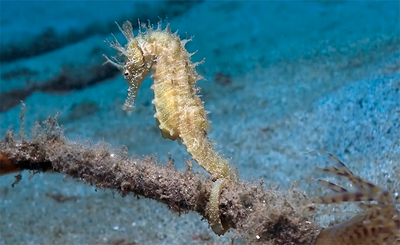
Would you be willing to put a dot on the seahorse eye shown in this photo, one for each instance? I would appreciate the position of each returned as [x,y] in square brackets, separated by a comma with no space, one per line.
[126,73]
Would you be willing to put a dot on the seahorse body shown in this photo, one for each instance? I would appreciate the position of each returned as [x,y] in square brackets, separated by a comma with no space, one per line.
[180,112]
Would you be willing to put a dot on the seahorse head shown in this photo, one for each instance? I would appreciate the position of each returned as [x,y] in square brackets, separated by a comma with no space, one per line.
[135,67]
[135,70]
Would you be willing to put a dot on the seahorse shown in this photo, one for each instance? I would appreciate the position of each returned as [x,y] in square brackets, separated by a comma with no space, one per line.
[179,111]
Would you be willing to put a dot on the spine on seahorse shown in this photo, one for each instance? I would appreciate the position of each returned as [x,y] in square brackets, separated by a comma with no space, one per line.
[180,112]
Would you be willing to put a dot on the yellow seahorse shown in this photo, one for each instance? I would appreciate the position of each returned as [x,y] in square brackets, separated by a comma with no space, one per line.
[180,112]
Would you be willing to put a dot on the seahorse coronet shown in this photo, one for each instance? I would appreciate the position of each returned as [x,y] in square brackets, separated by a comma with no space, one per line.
[180,112]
